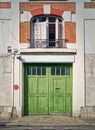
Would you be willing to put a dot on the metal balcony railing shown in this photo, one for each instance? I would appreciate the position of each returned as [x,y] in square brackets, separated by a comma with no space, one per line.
[45,43]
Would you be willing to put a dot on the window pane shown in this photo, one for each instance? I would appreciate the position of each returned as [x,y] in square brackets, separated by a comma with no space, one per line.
[29,70]
[41,19]
[38,71]
[67,71]
[51,19]
[62,71]
[53,71]
[59,20]
[57,71]
[34,20]
[43,71]
[33,71]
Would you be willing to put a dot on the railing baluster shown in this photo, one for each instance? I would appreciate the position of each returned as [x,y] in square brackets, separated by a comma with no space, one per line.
[46,43]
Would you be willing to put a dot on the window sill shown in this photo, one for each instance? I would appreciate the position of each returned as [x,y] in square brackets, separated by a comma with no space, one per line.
[48,50]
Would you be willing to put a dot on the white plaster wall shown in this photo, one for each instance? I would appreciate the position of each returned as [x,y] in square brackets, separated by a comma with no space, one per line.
[5,34]
[9,23]
[90,61]
[79,86]
[90,36]
[78,66]
[5,80]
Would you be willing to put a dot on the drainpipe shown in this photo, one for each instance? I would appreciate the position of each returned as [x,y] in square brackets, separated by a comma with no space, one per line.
[13,76]
[13,107]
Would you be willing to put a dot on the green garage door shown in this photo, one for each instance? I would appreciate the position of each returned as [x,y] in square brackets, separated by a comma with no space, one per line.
[48,89]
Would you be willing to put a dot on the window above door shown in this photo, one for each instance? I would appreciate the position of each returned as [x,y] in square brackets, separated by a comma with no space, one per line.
[47,32]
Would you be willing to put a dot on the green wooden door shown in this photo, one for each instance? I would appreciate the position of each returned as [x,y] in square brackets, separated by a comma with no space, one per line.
[48,89]
[36,93]
[61,89]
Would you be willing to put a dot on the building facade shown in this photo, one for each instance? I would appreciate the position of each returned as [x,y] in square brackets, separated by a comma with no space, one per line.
[47,57]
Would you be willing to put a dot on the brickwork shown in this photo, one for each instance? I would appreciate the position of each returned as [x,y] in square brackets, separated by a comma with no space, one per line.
[24,32]
[36,12]
[89,5]
[5,5]
[65,6]
[30,6]
[70,32]
[56,12]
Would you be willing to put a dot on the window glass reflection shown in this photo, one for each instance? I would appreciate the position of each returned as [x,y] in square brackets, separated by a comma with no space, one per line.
[43,71]
[38,71]
[53,71]
[67,71]
[57,71]
[33,71]
[29,70]
[62,71]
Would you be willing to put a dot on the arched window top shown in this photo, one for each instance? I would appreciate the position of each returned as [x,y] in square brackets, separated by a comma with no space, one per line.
[46,18]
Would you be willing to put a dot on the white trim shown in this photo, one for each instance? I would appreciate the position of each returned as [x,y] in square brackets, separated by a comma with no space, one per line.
[46,8]
[67,16]
[26,16]
[47,58]
[48,50]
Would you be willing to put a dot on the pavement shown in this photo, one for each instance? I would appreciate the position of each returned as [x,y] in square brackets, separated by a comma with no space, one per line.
[47,120]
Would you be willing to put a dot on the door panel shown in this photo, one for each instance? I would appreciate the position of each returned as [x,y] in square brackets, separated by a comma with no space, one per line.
[37,95]
[48,89]
[37,90]
[58,93]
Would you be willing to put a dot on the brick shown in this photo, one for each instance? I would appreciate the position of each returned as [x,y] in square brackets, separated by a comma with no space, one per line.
[70,32]
[5,5]
[65,6]
[30,6]
[24,32]
[56,12]
[37,12]
[71,6]
[89,5]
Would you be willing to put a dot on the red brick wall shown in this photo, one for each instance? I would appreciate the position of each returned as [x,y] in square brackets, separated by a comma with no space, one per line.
[63,6]
[30,6]
[70,32]
[56,9]
[5,5]
[36,12]
[89,5]
[24,32]
[56,12]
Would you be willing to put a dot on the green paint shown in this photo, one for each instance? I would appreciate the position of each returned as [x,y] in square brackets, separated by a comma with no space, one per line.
[48,91]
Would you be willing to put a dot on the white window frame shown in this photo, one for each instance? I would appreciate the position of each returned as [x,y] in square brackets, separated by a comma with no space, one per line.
[32,37]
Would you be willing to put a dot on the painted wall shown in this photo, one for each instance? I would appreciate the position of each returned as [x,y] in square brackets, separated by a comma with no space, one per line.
[90,61]
[5,80]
